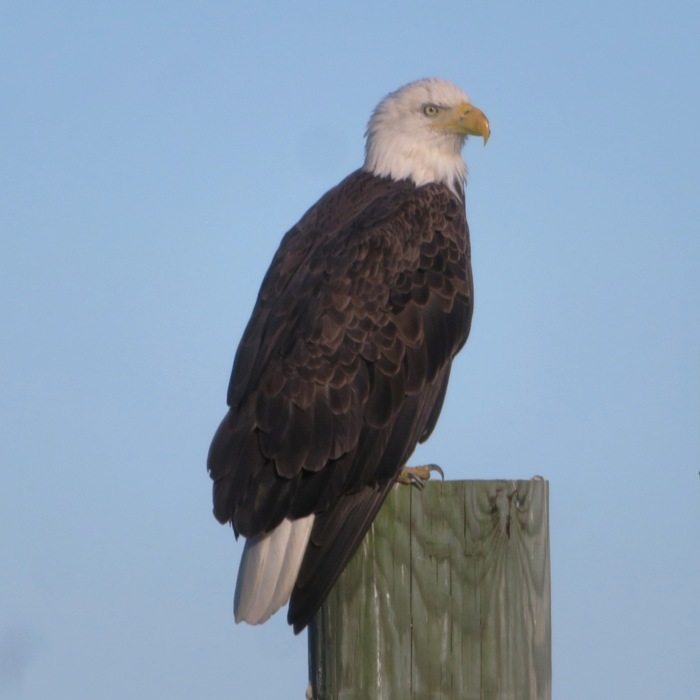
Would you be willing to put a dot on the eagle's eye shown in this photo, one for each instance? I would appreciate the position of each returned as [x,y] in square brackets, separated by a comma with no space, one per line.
[430,110]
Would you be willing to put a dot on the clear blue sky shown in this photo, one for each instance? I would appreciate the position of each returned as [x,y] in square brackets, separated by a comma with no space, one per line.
[152,155]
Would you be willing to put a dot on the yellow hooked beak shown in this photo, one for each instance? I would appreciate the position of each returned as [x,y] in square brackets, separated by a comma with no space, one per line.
[464,119]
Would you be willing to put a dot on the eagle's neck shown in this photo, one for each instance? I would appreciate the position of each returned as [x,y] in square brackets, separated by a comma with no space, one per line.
[434,158]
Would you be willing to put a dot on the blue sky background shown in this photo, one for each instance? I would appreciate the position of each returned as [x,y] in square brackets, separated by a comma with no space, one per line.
[152,155]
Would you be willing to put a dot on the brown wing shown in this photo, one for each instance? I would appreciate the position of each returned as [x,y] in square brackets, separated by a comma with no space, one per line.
[343,368]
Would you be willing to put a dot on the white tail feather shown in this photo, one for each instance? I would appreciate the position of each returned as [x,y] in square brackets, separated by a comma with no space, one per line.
[268,570]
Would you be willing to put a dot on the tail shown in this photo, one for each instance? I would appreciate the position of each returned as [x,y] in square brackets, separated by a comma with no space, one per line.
[268,570]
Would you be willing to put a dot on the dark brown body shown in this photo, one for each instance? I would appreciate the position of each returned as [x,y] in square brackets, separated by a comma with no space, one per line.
[343,368]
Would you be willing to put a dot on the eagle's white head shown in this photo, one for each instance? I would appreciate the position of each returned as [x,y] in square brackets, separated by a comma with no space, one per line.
[417,133]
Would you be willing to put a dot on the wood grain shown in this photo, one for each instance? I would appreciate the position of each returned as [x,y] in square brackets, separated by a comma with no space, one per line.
[447,597]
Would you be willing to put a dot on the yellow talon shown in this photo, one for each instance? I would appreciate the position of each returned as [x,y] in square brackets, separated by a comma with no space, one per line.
[419,476]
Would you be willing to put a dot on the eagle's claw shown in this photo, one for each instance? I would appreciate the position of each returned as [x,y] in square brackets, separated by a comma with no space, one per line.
[419,476]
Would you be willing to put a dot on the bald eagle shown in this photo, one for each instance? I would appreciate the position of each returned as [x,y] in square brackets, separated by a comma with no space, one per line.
[344,364]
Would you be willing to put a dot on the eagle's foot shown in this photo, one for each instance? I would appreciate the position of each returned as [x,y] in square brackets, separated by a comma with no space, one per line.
[419,476]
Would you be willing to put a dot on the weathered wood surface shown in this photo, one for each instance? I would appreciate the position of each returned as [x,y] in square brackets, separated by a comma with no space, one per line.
[447,597]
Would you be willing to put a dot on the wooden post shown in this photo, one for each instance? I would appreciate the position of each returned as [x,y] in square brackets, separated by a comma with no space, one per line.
[448,597]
